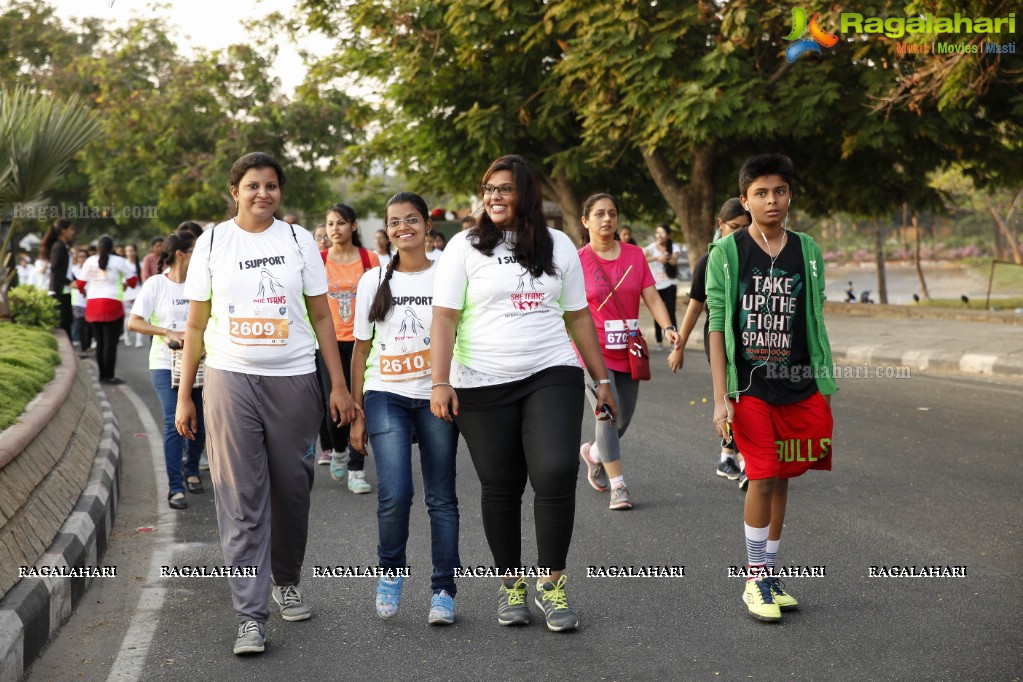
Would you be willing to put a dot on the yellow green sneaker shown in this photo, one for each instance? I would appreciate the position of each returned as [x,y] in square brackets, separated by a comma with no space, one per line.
[759,601]
[783,599]
[550,597]
[511,603]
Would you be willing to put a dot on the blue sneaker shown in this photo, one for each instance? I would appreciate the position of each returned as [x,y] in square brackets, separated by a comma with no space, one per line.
[339,465]
[442,609]
[389,596]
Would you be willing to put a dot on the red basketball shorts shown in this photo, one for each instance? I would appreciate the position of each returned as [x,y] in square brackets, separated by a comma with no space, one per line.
[783,441]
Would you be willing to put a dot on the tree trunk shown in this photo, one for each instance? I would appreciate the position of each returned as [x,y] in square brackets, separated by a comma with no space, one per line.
[693,204]
[882,282]
[562,192]
[1004,229]
[916,258]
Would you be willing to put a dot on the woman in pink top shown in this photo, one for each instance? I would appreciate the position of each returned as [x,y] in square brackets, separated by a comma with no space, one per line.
[617,278]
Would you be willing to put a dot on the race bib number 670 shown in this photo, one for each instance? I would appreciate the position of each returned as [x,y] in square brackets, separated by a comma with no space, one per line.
[258,331]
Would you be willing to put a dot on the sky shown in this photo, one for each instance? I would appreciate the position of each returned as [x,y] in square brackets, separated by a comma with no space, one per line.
[208,24]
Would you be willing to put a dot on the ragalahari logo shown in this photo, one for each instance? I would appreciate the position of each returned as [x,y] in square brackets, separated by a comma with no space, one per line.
[808,37]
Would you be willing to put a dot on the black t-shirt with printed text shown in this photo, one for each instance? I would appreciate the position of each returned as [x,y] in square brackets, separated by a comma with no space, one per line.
[771,353]
[698,292]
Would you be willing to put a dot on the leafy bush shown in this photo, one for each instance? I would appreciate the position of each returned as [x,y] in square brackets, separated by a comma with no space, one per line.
[27,360]
[33,307]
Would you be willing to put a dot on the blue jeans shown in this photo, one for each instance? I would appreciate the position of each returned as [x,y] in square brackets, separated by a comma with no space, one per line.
[390,420]
[175,445]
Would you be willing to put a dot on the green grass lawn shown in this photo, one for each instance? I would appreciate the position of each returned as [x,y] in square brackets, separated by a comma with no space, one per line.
[28,358]
[1008,277]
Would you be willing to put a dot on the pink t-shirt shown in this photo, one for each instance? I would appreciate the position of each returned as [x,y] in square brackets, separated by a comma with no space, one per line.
[628,275]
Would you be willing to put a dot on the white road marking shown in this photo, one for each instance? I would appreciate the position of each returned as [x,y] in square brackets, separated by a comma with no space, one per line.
[132,655]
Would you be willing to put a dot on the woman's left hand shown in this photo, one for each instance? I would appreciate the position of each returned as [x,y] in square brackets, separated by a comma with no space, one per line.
[342,408]
[605,396]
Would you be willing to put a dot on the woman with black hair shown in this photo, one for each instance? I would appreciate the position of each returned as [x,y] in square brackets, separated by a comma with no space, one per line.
[663,258]
[617,279]
[257,295]
[105,277]
[54,249]
[345,261]
[391,365]
[131,255]
[161,311]
[509,300]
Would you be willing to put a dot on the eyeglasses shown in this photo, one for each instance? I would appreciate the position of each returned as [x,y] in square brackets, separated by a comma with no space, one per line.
[398,222]
[733,227]
[503,190]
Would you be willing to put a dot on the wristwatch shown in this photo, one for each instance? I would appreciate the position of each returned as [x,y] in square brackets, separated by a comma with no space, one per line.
[599,382]
[670,329]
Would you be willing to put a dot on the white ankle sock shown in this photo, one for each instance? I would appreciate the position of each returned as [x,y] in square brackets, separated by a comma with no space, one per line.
[617,481]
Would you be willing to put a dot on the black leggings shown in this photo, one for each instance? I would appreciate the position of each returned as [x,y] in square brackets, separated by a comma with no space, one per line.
[107,335]
[667,295]
[526,429]
[332,436]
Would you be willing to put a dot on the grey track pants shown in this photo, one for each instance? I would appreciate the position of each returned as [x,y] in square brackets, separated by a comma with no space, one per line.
[260,436]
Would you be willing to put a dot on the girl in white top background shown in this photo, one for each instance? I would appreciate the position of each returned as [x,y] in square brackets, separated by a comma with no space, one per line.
[160,311]
[131,255]
[663,258]
[104,278]
[391,364]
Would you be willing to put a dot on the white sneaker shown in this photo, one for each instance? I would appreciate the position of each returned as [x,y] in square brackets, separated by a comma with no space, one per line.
[357,482]
[138,341]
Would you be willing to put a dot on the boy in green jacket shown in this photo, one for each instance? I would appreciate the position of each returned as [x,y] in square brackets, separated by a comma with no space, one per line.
[771,364]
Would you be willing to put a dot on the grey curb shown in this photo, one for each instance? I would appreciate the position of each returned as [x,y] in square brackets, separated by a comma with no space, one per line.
[34,610]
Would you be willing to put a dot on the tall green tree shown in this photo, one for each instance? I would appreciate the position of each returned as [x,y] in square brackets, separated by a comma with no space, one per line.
[458,83]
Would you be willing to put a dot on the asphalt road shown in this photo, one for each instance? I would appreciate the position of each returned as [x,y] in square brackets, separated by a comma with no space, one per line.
[927,471]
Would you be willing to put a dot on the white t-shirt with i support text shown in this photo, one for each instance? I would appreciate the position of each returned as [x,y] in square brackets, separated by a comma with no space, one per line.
[256,283]
[162,303]
[512,323]
[399,360]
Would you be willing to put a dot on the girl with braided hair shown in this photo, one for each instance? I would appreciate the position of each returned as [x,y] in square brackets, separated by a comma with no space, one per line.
[391,378]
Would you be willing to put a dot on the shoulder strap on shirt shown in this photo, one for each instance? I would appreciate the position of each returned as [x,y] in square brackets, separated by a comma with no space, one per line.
[323,255]
[364,255]
[593,257]
[209,259]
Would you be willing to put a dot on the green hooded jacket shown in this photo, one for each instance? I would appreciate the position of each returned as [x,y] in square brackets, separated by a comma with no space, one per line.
[722,297]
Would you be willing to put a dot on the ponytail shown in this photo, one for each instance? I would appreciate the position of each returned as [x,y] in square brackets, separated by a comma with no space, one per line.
[383,303]
[106,247]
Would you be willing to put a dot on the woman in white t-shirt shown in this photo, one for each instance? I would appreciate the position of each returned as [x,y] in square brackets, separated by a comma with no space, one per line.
[512,290]
[160,311]
[391,364]
[663,258]
[131,255]
[104,278]
[258,294]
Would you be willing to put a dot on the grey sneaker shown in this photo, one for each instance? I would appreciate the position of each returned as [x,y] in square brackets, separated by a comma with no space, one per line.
[204,462]
[551,598]
[511,603]
[251,638]
[595,473]
[620,498]
[357,482]
[290,601]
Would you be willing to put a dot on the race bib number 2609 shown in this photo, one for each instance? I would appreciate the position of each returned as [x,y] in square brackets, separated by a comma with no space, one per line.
[259,331]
